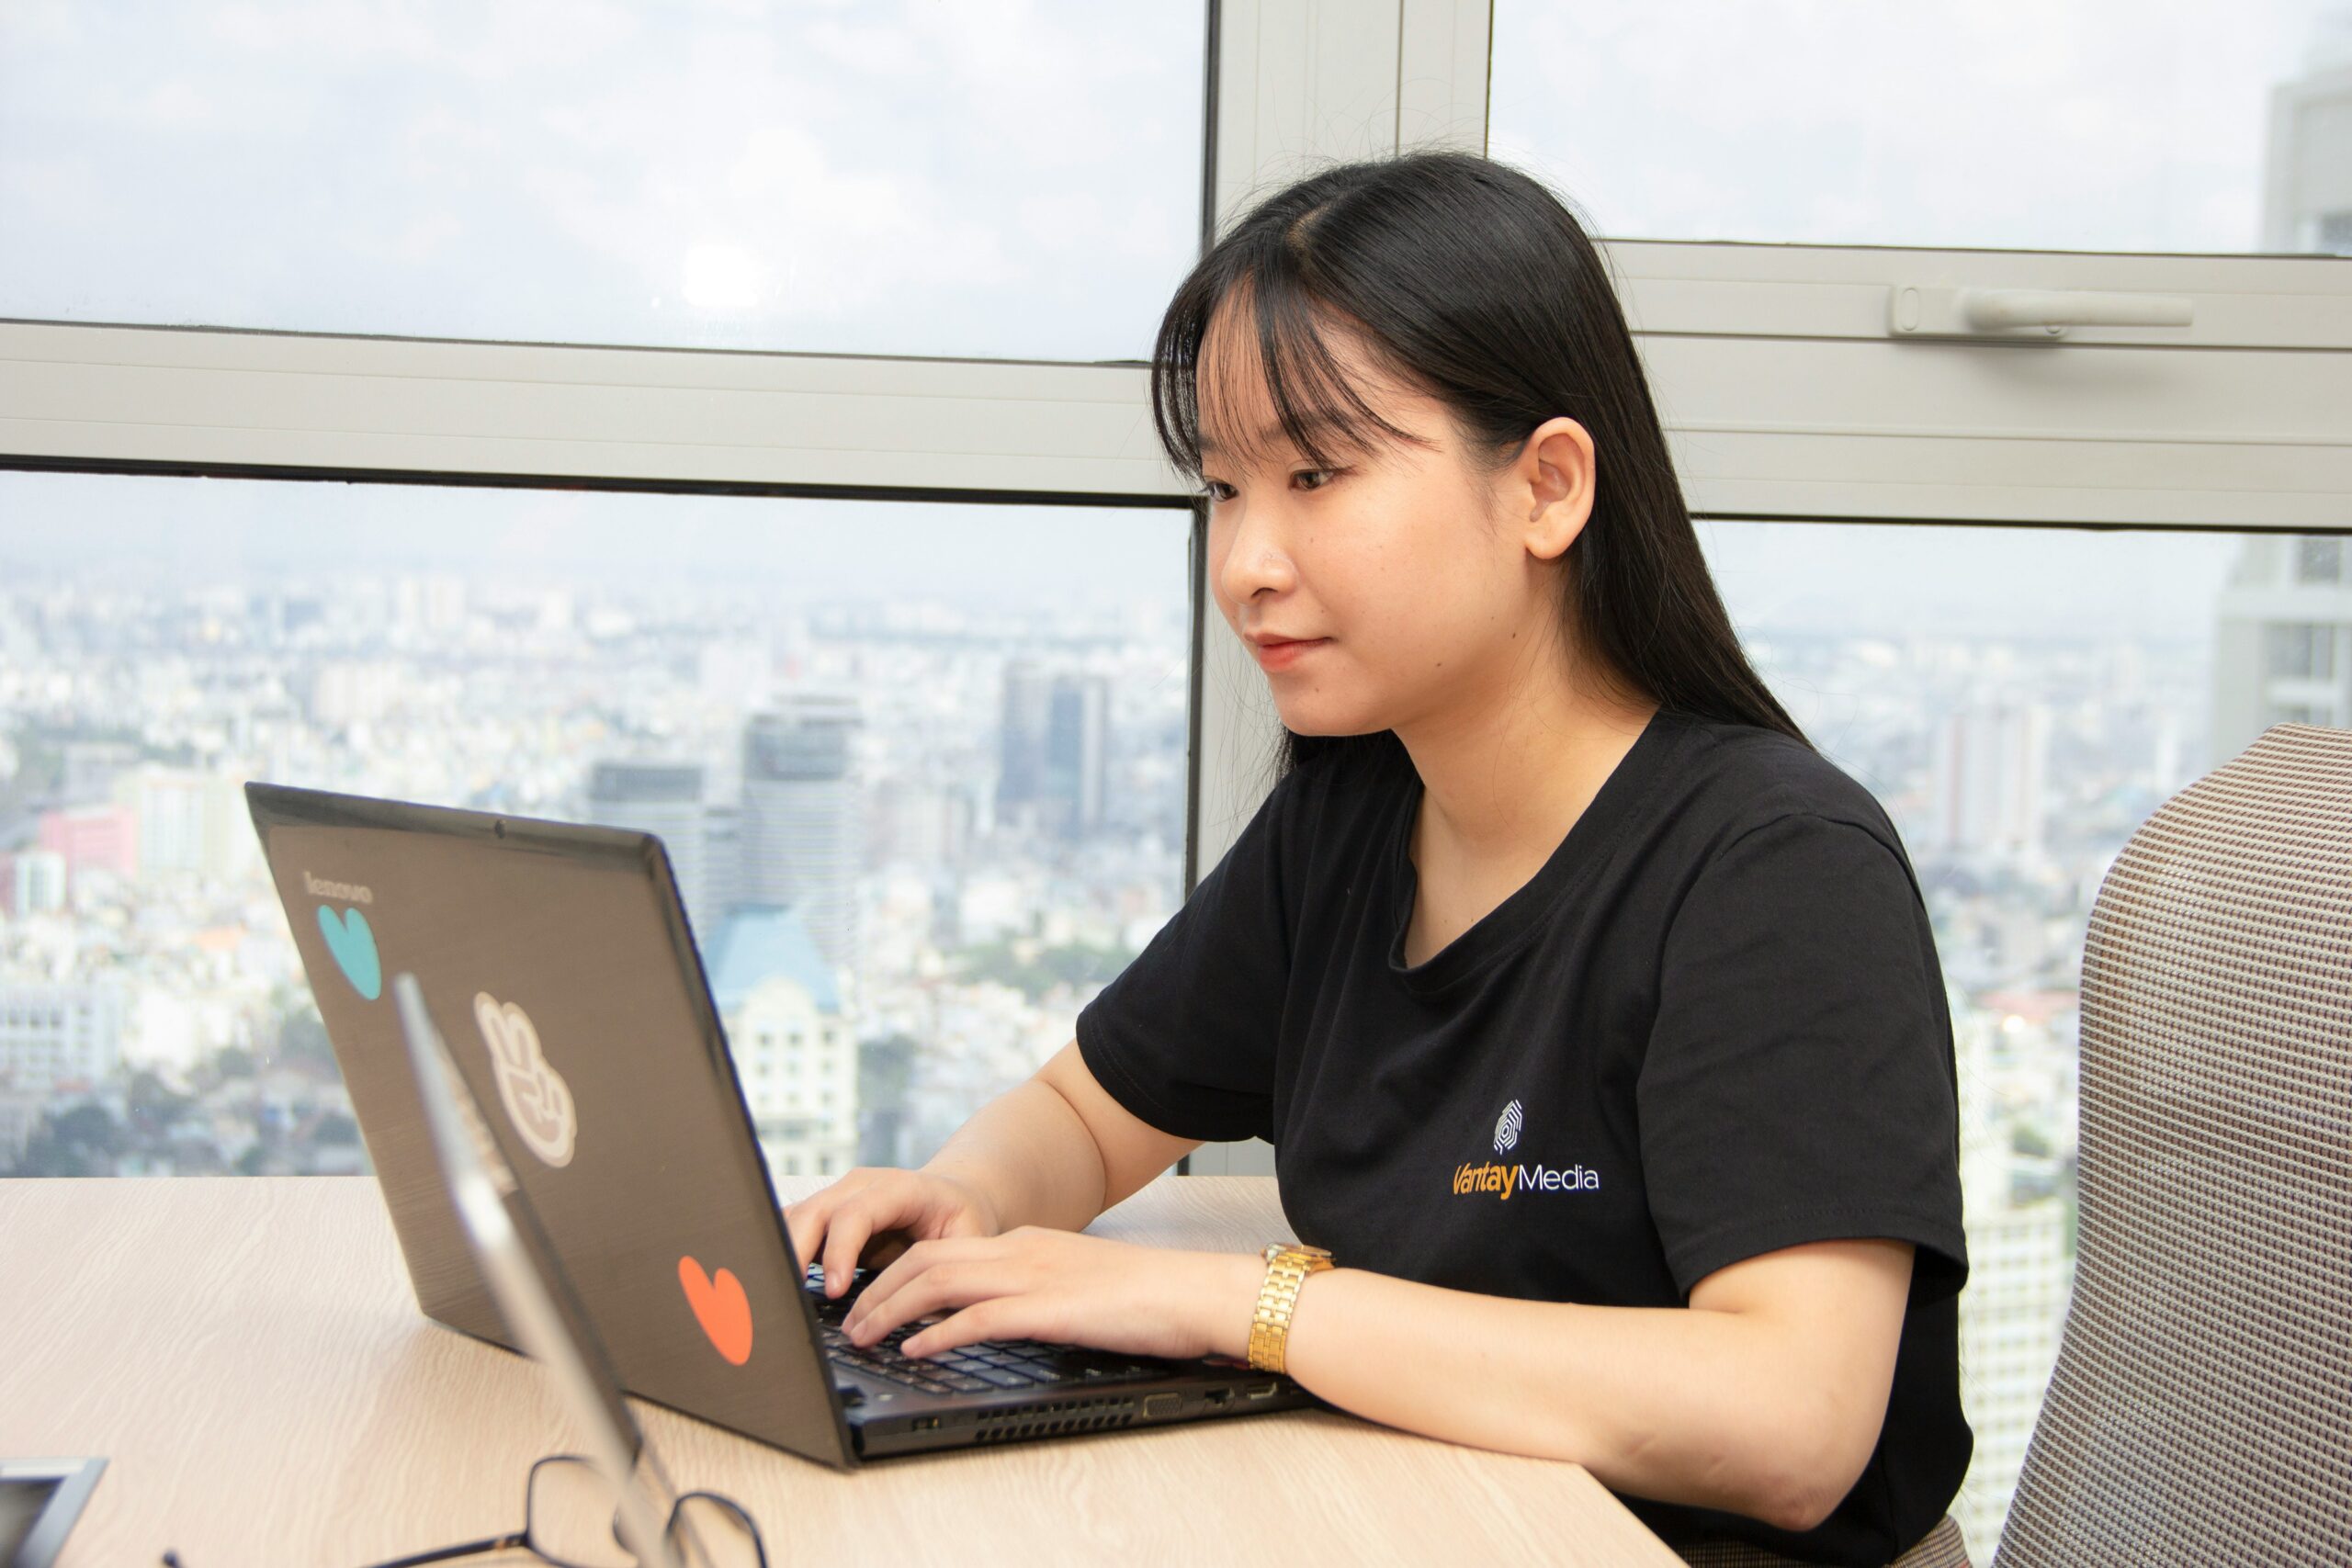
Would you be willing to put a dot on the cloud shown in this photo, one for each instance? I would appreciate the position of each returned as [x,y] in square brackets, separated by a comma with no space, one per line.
[543,171]
[1845,122]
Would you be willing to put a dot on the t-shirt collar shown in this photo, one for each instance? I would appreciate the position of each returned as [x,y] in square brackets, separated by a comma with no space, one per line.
[1508,924]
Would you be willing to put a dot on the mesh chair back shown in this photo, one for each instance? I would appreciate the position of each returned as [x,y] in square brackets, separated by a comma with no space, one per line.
[2201,1408]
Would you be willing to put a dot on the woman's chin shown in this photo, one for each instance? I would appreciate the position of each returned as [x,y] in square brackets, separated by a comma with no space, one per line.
[1304,716]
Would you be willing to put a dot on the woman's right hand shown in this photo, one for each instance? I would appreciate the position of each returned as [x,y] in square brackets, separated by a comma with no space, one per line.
[876,1212]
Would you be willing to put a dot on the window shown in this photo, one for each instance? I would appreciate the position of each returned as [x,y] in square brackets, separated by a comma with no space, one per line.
[889,178]
[2211,128]
[2299,651]
[590,657]
[2319,560]
[1890,644]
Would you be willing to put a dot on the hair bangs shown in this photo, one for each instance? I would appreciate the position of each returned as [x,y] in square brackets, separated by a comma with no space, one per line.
[1320,411]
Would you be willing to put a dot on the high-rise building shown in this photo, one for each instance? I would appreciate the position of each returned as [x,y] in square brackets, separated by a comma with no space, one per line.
[433,603]
[665,798]
[190,823]
[1021,758]
[2307,174]
[2282,640]
[1989,788]
[722,862]
[1053,758]
[1077,744]
[60,1036]
[794,1048]
[32,881]
[2019,1279]
[101,840]
[802,823]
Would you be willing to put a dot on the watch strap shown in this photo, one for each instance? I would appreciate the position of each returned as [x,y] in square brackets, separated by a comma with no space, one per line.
[1287,1268]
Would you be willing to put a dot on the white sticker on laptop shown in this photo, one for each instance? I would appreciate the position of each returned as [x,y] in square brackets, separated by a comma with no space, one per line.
[538,1100]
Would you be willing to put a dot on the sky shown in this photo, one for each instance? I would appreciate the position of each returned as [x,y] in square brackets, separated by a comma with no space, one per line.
[1020,178]
[2087,125]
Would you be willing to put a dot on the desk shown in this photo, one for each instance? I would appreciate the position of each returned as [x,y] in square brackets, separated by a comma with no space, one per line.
[247,1356]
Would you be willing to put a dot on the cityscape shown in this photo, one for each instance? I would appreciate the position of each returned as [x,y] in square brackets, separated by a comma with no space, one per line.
[913,838]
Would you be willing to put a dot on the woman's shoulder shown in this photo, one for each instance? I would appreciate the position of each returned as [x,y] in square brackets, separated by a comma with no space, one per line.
[1739,776]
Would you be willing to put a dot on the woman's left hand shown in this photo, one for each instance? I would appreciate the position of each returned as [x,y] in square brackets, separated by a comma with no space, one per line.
[1038,1283]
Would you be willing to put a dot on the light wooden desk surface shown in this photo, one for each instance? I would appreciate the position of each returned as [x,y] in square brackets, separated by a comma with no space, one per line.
[247,1356]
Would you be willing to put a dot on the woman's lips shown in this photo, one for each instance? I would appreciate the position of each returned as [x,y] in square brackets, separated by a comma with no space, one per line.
[1282,655]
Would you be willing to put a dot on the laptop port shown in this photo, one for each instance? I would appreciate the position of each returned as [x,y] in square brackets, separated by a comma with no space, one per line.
[1262,1391]
[924,1422]
[1218,1398]
[1155,1405]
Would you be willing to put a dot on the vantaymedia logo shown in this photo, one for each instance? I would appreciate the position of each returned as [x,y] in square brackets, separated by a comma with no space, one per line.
[1502,1181]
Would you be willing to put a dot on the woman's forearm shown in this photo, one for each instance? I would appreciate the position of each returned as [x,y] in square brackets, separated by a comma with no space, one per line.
[1716,1409]
[1031,1157]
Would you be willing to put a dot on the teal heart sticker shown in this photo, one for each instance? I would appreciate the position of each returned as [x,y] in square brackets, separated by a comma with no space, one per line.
[354,946]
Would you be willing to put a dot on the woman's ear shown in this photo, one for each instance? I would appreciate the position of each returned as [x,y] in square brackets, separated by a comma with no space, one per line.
[1550,486]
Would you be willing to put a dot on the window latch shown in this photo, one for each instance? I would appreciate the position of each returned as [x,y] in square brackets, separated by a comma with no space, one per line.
[2029,315]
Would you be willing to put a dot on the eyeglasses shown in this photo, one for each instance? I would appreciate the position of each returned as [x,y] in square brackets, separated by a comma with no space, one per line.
[570,1519]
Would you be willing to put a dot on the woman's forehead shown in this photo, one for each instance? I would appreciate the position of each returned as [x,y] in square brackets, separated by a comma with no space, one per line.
[1338,403]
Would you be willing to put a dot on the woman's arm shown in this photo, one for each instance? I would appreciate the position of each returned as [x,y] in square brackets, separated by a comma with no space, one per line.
[1056,1149]
[1764,1397]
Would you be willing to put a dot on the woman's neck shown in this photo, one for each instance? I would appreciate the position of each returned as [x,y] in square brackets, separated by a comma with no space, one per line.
[1505,775]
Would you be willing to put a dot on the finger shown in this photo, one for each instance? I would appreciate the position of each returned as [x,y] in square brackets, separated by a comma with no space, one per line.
[998,1317]
[804,1223]
[883,1293]
[880,1288]
[808,1220]
[940,1288]
[844,1242]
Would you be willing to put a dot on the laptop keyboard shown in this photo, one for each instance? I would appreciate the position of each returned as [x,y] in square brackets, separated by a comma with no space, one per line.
[986,1367]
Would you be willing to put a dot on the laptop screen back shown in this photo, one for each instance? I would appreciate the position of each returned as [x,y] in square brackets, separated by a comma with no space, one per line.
[574,1004]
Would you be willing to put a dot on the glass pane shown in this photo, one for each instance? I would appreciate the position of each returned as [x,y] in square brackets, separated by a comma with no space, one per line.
[2020,701]
[1002,181]
[952,739]
[2105,125]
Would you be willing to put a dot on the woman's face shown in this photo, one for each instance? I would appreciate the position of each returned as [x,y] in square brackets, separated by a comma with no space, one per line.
[1410,577]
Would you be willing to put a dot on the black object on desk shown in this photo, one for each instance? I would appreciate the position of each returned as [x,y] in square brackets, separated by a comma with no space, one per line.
[40,1500]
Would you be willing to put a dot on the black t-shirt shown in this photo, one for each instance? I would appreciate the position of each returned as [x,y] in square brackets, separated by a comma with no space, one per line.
[1710,1026]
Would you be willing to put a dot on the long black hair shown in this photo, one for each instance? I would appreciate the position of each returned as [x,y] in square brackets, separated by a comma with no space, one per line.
[1475,285]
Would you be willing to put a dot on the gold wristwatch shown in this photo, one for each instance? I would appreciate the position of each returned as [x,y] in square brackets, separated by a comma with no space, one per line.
[1287,1266]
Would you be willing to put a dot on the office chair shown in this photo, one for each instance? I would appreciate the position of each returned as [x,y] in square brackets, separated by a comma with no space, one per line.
[2201,1408]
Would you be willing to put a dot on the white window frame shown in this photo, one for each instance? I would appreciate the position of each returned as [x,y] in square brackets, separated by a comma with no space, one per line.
[1787,389]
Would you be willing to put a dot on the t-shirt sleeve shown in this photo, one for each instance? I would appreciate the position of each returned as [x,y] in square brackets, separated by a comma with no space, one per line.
[1185,1035]
[1798,1085]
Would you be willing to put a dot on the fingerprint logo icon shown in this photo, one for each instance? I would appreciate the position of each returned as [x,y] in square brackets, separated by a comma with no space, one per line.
[1506,1128]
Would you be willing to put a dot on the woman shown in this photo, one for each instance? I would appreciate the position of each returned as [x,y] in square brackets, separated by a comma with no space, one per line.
[1595,1017]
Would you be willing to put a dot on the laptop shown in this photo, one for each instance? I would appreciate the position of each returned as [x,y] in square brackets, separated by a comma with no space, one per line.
[589,1034]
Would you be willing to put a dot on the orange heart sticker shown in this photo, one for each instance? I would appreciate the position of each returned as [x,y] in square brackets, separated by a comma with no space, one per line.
[721,1307]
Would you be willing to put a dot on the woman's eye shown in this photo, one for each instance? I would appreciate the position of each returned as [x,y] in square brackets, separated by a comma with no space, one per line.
[1319,479]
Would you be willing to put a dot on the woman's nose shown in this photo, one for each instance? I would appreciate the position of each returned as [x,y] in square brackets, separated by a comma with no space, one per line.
[1256,558]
